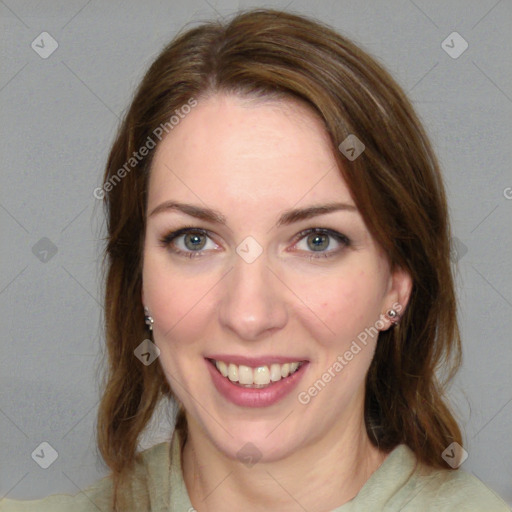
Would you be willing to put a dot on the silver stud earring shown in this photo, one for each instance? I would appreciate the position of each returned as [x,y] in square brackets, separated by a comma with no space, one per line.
[148,319]
[393,316]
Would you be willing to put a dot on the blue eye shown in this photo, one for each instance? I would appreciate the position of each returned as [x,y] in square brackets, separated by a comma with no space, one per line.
[318,240]
[193,242]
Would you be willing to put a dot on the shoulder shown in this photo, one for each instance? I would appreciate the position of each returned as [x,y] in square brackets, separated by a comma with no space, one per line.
[157,454]
[457,488]
[150,479]
[93,498]
[446,490]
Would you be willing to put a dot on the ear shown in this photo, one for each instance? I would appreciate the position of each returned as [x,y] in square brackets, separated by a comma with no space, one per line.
[398,295]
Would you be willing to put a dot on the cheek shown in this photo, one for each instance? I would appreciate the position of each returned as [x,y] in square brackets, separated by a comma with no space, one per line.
[177,303]
[347,304]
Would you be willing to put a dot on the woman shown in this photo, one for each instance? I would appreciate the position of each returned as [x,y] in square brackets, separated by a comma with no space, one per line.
[277,225]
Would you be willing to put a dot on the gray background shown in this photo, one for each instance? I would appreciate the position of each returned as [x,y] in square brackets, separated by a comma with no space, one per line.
[59,117]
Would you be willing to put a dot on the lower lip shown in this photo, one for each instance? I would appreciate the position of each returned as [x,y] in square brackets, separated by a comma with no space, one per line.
[255,397]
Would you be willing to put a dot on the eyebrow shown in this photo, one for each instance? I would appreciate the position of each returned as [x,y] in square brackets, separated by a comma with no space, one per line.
[286,218]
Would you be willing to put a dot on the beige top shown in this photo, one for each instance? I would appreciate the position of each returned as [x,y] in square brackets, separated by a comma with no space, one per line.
[396,486]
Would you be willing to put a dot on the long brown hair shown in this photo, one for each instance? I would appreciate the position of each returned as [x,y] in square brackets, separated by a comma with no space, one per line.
[396,185]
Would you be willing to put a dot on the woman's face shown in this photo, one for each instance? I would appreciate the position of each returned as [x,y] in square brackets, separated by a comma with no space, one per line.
[252,286]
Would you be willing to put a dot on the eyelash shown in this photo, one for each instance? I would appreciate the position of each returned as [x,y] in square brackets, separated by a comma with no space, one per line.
[167,240]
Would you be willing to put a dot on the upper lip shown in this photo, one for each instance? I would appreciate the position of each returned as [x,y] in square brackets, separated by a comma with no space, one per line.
[254,362]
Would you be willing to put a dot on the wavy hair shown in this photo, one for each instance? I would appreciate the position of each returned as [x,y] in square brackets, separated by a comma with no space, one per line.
[396,185]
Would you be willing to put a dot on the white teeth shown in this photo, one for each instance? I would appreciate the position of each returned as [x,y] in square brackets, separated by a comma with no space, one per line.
[233,372]
[222,367]
[275,372]
[261,375]
[256,377]
[245,375]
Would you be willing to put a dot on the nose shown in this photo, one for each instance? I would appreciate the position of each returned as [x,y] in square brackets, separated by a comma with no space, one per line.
[253,303]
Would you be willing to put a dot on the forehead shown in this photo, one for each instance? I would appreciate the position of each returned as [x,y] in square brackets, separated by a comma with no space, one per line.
[245,151]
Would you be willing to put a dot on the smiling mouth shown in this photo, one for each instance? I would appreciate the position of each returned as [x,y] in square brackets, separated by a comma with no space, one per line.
[257,378]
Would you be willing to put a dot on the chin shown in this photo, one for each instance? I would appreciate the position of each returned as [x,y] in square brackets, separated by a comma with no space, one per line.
[264,440]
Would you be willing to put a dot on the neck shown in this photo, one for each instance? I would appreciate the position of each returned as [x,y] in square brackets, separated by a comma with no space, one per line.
[322,475]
